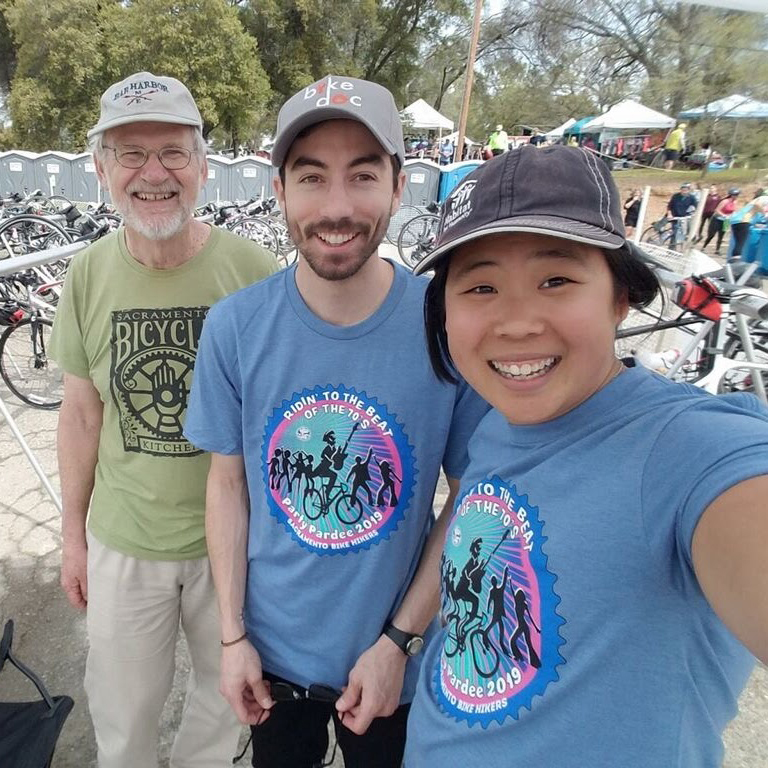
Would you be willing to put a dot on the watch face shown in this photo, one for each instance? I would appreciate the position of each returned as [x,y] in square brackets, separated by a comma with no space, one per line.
[414,645]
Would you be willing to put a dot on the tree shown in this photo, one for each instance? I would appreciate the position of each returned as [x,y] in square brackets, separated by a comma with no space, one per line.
[379,40]
[70,51]
[203,44]
[54,96]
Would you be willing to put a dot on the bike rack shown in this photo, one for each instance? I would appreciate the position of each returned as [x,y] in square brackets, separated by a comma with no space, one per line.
[9,267]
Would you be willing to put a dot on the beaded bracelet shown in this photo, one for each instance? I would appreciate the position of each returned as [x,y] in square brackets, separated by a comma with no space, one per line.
[234,642]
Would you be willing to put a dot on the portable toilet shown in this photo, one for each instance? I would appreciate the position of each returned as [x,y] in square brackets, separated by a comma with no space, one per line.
[250,177]
[85,182]
[452,174]
[53,173]
[422,181]
[17,172]
[218,185]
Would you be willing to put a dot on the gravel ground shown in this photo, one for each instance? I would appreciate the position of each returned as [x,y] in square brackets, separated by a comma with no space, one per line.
[50,636]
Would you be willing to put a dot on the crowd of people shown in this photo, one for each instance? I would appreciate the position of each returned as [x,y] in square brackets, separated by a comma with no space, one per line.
[721,214]
[251,455]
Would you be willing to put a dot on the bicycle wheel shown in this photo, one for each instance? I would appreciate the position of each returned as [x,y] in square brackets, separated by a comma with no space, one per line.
[349,510]
[656,236]
[451,645]
[25,366]
[111,219]
[417,238]
[312,503]
[484,657]
[258,230]
[741,379]
[400,217]
[28,234]
[287,252]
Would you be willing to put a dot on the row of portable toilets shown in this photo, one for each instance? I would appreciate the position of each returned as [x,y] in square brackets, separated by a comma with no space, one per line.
[74,177]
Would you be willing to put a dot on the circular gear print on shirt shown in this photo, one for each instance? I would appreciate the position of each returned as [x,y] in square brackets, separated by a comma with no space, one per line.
[338,469]
[502,632]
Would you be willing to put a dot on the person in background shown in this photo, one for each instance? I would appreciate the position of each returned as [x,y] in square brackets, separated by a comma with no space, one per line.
[710,206]
[680,206]
[674,146]
[632,211]
[742,221]
[446,152]
[498,141]
[719,220]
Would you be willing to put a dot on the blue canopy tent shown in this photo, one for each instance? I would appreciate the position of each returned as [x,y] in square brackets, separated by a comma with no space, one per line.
[735,107]
[576,128]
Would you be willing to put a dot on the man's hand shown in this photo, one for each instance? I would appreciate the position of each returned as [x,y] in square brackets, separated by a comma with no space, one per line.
[242,684]
[374,687]
[74,573]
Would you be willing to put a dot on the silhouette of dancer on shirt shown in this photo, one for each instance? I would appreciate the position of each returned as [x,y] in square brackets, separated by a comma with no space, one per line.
[521,610]
[495,608]
[387,484]
[361,476]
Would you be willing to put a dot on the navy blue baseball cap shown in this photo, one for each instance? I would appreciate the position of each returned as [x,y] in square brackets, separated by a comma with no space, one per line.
[565,192]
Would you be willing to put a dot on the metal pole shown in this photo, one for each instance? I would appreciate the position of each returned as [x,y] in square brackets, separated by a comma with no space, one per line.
[693,226]
[6,414]
[469,77]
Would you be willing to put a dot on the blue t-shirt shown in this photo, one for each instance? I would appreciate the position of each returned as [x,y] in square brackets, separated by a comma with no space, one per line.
[313,406]
[576,632]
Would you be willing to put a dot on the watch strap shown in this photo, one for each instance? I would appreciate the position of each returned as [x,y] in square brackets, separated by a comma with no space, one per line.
[402,639]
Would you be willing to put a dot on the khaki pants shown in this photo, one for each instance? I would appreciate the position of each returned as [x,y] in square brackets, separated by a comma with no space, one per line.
[134,610]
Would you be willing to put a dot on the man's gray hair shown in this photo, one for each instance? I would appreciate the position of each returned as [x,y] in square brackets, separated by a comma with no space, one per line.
[96,144]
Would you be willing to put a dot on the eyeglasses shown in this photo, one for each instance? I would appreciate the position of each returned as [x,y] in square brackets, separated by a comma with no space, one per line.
[171,158]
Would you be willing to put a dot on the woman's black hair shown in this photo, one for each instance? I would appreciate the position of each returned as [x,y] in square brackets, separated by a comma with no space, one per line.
[631,275]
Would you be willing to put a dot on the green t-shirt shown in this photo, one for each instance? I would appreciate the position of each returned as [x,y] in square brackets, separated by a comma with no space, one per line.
[133,331]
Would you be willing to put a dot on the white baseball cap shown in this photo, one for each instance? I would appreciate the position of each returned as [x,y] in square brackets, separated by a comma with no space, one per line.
[147,97]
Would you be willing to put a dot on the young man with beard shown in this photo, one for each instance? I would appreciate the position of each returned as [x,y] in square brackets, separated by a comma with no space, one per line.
[321,590]
[126,335]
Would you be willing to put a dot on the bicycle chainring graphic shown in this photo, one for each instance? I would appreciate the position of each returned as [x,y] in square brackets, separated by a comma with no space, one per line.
[153,356]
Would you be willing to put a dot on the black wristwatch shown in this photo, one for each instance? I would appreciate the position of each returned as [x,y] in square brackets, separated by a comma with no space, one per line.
[408,643]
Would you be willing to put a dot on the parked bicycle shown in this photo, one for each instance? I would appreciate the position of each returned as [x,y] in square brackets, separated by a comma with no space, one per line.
[418,235]
[25,367]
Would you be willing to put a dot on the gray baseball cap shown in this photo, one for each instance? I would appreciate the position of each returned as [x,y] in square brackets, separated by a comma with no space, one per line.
[147,97]
[336,97]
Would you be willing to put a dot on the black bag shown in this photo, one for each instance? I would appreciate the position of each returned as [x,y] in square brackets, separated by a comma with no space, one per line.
[29,729]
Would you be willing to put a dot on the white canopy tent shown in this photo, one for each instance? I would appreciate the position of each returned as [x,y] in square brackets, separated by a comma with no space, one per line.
[627,115]
[556,133]
[454,137]
[423,117]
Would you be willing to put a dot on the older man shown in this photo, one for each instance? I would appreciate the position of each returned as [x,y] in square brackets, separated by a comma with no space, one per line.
[324,367]
[126,335]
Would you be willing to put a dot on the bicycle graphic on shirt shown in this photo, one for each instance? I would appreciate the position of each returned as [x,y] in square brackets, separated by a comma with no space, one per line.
[323,489]
[468,629]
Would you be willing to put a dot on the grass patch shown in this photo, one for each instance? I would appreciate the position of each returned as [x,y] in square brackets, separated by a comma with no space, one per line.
[642,176]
